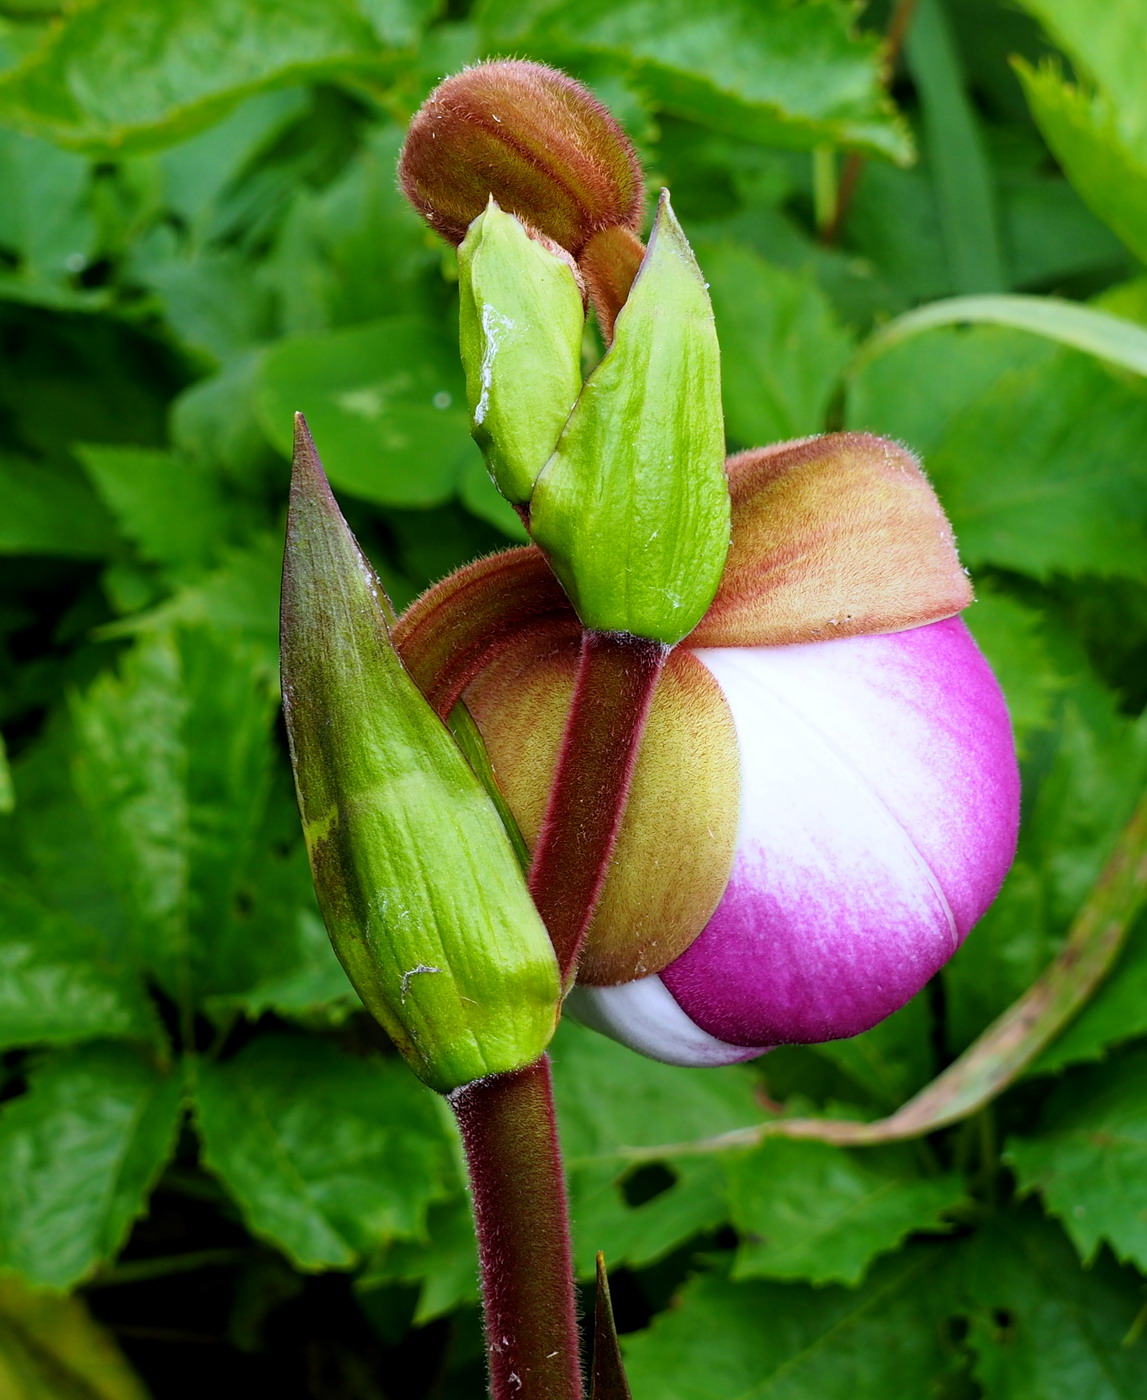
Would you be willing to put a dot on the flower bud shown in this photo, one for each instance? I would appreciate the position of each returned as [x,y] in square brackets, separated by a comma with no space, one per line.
[632,510]
[826,794]
[521,320]
[417,880]
[532,137]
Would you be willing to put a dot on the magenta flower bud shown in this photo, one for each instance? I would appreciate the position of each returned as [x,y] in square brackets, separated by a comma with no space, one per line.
[826,797]
[878,819]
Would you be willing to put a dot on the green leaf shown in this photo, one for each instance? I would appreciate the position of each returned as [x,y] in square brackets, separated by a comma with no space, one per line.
[600,1126]
[961,174]
[399,23]
[45,219]
[355,250]
[444,1264]
[770,1341]
[1032,450]
[1116,1013]
[1085,132]
[79,1152]
[893,1060]
[328,1157]
[52,1349]
[1013,638]
[131,773]
[1106,44]
[1095,772]
[129,75]
[58,983]
[172,510]
[1042,1328]
[782,346]
[1088,1158]
[808,1210]
[239,598]
[782,74]
[50,509]
[632,509]
[385,402]
[1107,337]
[277,956]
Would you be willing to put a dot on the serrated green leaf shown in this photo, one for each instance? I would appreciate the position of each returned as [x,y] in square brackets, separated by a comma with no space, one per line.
[52,1349]
[1031,450]
[79,1151]
[609,1101]
[893,1060]
[7,791]
[1107,44]
[131,773]
[808,1210]
[387,402]
[771,1341]
[172,510]
[328,1157]
[1012,637]
[1041,1327]
[58,984]
[1088,1157]
[632,509]
[782,346]
[782,74]
[239,598]
[355,250]
[1085,132]
[1095,773]
[128,75]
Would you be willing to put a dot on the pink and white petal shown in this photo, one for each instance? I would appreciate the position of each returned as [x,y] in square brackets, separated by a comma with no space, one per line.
[863,760]
[644,1016]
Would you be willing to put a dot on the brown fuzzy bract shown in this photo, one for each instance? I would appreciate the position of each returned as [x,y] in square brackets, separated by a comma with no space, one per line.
[532,137]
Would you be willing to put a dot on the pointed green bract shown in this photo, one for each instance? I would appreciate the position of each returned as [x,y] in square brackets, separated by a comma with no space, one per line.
[633,508]
[418,883]
[520,324]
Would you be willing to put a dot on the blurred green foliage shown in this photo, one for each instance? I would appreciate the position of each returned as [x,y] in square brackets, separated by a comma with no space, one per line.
[199,233]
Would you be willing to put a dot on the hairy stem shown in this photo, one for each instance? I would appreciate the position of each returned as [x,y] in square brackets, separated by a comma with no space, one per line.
[510,1136]
[617,675]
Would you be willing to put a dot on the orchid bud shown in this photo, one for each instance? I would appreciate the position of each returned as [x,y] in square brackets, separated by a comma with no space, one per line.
[417,880]
[521,320]
[632,510]
[826,795]
[537,141]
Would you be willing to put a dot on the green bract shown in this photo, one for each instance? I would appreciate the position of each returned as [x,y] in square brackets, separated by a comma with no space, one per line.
[633,508]
[421,892]
[520,324]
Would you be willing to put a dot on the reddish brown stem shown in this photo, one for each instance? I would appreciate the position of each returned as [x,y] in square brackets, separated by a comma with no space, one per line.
[854,165]
[617,675]
[510,1136]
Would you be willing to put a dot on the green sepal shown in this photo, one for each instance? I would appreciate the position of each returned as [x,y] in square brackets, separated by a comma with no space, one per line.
[633,507]
[417,880]
[521,319]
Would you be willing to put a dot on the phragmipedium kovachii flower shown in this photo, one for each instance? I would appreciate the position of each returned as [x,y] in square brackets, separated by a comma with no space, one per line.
[825,796]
